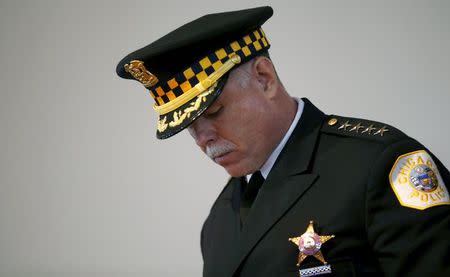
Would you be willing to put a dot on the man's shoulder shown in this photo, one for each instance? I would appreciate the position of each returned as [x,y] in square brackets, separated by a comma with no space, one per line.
[361,129]
[228,191]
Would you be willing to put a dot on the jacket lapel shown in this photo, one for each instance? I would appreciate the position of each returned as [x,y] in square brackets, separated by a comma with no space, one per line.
[222,231]
[287,181]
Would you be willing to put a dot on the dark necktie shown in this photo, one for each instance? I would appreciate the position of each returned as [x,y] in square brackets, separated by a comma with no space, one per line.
[249,194]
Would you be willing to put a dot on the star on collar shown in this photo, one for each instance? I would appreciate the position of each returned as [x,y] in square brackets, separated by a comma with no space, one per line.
[369,129]
[357,127]
[345,126]
[309,244]
[381,131]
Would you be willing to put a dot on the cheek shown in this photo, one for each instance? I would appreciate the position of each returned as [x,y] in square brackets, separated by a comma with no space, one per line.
[243,128]
[243,119]
[251,120]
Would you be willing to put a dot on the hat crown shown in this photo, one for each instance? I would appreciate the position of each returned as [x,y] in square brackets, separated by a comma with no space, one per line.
[184,45]
[189,66]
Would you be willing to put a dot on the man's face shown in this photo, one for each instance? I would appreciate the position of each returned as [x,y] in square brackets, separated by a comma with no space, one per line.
[235,130]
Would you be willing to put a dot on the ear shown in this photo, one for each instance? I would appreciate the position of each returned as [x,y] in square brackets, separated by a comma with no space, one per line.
[265,75]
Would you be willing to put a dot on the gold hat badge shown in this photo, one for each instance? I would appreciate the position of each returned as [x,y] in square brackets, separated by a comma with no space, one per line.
[309,244]
[137,69]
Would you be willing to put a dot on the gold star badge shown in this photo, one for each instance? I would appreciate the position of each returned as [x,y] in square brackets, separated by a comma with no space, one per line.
[309,244]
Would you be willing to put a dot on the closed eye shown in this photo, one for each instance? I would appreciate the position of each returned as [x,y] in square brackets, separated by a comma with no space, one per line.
[213,111]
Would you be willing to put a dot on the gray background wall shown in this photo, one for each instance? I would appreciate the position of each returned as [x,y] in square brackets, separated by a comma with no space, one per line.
[87,190]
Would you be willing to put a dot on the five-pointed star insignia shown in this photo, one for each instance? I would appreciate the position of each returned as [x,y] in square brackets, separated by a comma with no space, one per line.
[309,244]
[345,126]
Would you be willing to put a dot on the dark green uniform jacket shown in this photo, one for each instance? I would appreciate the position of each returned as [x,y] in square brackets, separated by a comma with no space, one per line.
[356,182]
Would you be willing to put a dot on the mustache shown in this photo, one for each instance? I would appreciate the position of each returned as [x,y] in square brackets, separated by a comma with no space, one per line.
[213,151]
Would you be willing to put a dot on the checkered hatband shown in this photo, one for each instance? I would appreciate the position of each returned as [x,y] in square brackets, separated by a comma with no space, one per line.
[199,71]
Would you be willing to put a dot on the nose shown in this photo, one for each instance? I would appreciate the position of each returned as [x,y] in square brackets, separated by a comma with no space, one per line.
[203,132]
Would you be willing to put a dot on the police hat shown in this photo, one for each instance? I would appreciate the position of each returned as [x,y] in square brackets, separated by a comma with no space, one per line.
[186,69]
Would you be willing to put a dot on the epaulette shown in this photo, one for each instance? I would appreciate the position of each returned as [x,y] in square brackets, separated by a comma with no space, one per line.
[361,128]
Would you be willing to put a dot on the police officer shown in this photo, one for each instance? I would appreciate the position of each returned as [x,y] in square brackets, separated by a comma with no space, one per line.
[310,193]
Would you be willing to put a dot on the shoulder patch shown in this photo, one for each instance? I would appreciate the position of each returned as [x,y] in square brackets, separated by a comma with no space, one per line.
[416,181]
[361,128]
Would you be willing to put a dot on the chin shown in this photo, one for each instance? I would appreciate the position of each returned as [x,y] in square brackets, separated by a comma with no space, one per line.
[234,172]
[237,171]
